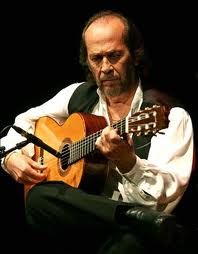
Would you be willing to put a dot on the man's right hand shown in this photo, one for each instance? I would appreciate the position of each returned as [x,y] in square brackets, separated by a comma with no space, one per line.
[24,169]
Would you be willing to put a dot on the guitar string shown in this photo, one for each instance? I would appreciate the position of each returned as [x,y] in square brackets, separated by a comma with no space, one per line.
[91,137]
[87,140]
[80,144]
[76,154]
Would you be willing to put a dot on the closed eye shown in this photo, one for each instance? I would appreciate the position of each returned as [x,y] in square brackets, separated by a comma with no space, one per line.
[96,58]
[114,56]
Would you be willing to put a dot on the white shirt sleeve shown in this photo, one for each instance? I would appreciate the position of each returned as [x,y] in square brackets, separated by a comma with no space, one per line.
[56,108]
[161,180]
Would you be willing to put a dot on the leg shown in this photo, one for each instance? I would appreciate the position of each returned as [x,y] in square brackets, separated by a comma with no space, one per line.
[67,215]
[68,219]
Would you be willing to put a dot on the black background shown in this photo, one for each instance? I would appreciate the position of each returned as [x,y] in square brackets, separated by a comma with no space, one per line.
[39,56]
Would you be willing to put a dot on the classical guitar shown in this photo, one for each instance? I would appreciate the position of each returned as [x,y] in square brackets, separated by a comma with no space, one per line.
[80,164]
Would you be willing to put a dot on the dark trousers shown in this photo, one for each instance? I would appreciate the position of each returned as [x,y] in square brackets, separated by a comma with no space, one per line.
[64,218]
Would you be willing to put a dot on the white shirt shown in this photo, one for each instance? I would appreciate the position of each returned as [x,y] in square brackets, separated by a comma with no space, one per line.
[159,181]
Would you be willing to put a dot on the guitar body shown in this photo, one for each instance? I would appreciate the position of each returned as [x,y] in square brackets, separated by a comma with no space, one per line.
[80,164]
[88,173]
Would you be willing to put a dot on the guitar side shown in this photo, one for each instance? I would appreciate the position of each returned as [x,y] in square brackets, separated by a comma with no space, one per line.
[87,173]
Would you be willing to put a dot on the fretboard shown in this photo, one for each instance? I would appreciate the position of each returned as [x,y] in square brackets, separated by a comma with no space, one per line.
[86,145]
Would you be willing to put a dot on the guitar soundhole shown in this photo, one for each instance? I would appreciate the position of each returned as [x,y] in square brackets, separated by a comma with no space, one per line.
[65,155]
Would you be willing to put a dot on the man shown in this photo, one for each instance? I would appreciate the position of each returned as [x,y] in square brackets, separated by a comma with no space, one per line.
[152,171]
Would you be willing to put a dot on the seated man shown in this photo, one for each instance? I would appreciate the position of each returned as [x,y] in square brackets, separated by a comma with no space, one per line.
[116,148]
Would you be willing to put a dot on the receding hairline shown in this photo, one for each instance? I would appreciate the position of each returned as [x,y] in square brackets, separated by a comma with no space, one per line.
[105,17]
[105,22]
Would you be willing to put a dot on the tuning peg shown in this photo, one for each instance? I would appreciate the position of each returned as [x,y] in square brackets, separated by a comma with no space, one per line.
[139,128]
[147,132]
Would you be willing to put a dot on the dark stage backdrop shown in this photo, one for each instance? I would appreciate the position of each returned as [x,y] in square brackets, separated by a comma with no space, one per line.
[39,55]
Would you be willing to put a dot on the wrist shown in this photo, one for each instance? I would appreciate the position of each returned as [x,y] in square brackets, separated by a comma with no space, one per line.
[127,166]
[8,156]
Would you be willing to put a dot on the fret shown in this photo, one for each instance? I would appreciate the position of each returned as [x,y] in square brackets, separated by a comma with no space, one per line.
[142,123]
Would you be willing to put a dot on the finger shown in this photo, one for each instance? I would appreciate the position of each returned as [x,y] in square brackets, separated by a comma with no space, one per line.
[129,140]
[35,173]
[98,143]
[30,176]
[111,135]
[21,177]
[37,165]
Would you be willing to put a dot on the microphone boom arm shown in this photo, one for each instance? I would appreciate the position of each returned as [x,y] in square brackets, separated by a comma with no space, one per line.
[36,141]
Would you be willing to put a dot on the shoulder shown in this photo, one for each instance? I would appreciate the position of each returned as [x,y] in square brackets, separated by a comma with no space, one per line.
[179,113]
[73,86]
[180,121]
[68,90]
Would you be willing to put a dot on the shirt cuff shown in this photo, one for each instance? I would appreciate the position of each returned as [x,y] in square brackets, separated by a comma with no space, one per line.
[138,165]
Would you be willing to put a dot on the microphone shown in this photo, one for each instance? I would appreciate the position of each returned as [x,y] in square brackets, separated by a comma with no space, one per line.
[36,141]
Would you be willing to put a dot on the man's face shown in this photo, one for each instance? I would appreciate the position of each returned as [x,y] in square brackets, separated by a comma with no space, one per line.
[108,57]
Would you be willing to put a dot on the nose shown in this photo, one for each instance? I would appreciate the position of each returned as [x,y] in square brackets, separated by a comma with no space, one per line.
[106,65]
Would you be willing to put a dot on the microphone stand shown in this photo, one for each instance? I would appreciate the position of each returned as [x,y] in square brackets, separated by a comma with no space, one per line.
[17,146]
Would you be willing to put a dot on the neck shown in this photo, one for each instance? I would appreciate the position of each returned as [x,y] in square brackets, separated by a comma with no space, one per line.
[124,98]
[118,107]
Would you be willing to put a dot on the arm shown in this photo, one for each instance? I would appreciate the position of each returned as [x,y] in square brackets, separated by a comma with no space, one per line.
[19,164]
[163,178]
[159,181]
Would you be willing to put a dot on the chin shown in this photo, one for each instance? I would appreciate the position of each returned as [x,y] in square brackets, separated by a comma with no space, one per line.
[113,91]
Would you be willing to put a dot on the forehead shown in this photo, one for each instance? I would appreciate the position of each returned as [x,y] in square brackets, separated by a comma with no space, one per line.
[103,30]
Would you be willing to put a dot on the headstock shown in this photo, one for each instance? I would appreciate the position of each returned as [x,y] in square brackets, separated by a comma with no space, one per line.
[149,120]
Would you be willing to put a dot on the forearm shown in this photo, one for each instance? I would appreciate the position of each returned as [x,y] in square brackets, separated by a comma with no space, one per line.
[145,185]
[162,178]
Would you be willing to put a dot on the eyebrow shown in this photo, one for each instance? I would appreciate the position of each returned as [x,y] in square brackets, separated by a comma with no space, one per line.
[106,53]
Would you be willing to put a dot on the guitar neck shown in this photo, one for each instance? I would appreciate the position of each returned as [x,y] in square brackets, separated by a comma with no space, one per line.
[144,122]
[86,145]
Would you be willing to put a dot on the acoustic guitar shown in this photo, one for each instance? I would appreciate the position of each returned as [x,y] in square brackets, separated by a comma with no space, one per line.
[80,164]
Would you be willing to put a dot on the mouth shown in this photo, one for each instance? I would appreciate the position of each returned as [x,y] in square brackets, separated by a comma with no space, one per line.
[109,81]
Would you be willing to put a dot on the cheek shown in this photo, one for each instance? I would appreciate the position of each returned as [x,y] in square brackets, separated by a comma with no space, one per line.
[95,71]
[92,68]
[120,69]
